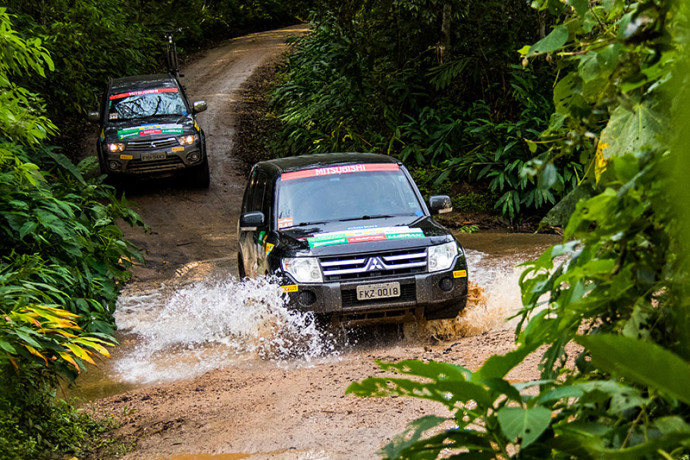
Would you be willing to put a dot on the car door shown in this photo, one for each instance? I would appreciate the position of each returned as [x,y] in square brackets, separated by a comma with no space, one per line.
[251,241]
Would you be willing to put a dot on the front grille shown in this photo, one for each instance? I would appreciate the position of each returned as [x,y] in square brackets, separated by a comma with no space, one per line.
[151,145]
[374,265]
[142,167]
[408,293]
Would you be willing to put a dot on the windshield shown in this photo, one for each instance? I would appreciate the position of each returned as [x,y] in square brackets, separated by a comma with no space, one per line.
[342,193]
[146,103]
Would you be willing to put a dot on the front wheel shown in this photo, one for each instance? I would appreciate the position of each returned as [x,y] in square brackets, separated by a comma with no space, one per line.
[240,267]
[200,176]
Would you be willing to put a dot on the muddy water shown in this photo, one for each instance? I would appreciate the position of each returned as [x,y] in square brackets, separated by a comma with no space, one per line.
[206,319]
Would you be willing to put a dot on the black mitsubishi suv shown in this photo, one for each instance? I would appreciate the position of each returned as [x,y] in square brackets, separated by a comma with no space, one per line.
[349,236]
[148,128]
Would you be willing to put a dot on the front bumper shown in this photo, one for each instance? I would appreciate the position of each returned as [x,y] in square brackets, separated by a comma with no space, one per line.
[161,160]
[436,295]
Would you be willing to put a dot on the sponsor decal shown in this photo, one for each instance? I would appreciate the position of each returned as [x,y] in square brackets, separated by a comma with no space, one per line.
[362,227]
[344,169]
[460,274]
[364,235]
[285,222]
[290,288]
[126,157]
[142,93]
[145,130]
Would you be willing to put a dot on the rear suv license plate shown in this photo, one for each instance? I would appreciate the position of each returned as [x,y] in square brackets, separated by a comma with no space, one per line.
[153,156]
[378,291]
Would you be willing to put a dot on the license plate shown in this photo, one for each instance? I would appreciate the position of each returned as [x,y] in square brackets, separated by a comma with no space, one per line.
[153,156]
[378,291]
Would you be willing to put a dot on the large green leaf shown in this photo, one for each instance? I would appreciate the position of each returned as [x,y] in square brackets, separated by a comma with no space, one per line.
[644,362]
[630,131]
[527,424]
[555,40]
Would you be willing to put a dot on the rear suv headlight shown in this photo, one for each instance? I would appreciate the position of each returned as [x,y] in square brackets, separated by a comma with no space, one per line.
[303,269]
[441,257]
[116,147]
[188,139]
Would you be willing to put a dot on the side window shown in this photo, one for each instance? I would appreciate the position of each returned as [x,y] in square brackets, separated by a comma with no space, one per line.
[258,193]
[249,192]
[267,206]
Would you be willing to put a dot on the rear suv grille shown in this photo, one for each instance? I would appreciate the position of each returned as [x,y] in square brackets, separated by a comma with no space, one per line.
[374,265]
[156,144]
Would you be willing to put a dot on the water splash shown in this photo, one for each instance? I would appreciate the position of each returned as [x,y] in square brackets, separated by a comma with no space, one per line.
[493,297]
[190,330]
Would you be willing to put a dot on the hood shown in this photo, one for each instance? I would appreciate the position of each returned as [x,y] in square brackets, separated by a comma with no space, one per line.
[366,235]
[148,128]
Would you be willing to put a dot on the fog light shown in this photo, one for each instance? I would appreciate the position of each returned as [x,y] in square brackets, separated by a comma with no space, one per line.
[446,284]
[306,298]
[114,165]
[194,157]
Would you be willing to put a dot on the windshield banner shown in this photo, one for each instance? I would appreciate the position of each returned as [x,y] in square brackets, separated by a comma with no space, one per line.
[142,93]
[361,236]
[145,130]
[343,169]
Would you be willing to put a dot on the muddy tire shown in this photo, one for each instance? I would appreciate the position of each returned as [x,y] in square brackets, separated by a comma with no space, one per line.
[240,267]
[200,176]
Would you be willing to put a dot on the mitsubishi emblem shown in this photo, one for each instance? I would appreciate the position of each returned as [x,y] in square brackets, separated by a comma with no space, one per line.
[374,264]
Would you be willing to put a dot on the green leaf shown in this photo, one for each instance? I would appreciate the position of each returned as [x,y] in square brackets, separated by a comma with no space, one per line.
[662,369]
[548,176]
[527,424]
[555,40]
[497,366]
[581,6]
[630,131]
[411,435]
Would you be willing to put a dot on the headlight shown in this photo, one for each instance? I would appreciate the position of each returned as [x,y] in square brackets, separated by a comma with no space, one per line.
[441,257]
[303,269]
[116,147]
[187,140]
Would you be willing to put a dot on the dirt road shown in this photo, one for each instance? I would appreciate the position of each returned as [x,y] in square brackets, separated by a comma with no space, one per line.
[257,409]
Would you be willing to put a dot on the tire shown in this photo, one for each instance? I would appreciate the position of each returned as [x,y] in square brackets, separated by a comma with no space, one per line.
[200,176]
[240,267]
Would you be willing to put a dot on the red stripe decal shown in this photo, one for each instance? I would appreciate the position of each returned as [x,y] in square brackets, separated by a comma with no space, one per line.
[343,169]
[142,92]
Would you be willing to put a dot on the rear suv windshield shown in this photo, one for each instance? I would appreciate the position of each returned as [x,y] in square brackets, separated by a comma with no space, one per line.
[343,193]
[145,103]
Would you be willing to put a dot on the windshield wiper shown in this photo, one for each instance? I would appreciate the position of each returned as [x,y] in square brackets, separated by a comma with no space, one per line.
[367,217]
[304,224]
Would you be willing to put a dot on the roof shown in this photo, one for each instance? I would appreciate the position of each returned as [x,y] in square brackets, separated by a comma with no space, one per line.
[143,82]
[319,160]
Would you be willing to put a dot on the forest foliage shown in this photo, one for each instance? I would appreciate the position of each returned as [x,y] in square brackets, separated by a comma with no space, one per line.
[92,41]
[609,305]
[437,83]
[62,252]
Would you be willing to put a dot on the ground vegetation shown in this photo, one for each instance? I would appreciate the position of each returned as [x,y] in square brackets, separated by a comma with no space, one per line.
[616,285]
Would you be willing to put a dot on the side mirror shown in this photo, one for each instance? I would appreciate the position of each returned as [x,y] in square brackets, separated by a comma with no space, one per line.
[440,204]
[251,221]
[92,116]
[199,106]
